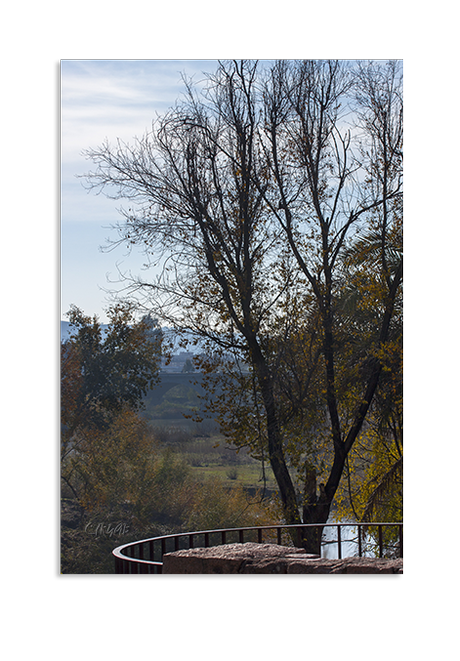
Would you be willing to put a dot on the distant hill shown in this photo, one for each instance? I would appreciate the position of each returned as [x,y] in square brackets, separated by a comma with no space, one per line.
[67,330]
[169,333]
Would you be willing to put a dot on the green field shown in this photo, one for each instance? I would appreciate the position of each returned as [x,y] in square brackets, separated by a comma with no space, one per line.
[249,476]
[200,444]
[210,457]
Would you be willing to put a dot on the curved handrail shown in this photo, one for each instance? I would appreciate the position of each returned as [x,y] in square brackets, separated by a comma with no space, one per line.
[138,564]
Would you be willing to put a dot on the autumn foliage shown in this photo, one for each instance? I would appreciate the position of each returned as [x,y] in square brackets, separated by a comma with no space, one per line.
[118,480]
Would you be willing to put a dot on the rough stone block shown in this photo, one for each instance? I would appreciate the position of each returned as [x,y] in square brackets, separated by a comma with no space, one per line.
[322,566]
[251,558]
[368,566]
[232,559]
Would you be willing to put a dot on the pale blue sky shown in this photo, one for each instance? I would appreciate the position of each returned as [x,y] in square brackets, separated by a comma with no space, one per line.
[105,99]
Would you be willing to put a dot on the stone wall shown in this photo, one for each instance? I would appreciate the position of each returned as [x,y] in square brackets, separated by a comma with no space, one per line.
[253,558]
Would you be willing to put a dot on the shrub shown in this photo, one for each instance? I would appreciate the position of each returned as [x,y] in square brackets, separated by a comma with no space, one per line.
[232,474]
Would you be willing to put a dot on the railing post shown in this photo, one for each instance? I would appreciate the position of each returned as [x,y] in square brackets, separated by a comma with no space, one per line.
[380,541]
[241,536]
[299,537]
[278,536]
[339,542]
[400,541]
[360,546]
[259,535]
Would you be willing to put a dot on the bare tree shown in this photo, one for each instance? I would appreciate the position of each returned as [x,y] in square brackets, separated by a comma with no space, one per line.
[338,188]
[246,194]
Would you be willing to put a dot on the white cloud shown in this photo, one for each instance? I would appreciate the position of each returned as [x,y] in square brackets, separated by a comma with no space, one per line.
[117,98]
[104,99]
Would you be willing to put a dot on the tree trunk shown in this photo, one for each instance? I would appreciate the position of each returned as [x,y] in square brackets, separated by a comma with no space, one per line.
[275,445]
[311,537]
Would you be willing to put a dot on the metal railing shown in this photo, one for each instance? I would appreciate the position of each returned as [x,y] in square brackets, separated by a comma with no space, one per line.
[145,556]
